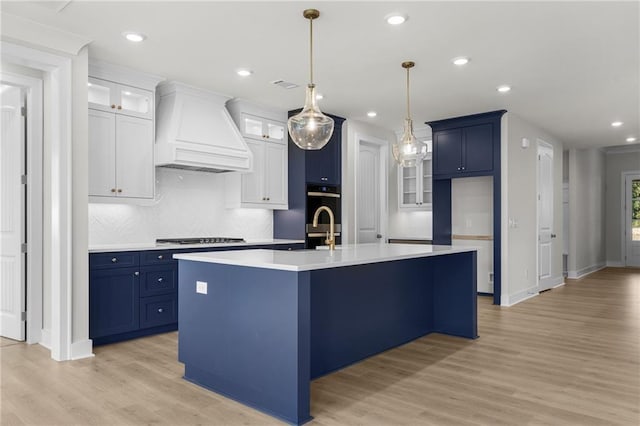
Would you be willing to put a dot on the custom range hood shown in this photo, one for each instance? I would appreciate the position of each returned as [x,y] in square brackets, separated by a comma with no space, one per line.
[195,131]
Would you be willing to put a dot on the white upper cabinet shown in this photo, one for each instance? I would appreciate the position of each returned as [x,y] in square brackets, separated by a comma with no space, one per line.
[415,186]
[265,131]
[119,98]
[121,134]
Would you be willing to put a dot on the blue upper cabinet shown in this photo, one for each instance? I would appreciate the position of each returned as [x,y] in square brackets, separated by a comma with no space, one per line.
[324,165]
[463,151]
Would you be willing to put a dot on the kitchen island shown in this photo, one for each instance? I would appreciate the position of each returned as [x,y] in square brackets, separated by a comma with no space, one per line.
[259,325]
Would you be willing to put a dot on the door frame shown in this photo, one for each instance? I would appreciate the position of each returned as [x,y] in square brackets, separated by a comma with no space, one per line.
[57,71]
[543,144]
[383,147]
[32,88]
[623,210]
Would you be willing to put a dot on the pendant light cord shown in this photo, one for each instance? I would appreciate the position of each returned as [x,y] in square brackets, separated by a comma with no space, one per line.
[310,51]
[408,104]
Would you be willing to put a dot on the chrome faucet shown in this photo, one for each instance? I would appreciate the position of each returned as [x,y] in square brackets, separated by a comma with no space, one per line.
[331,238]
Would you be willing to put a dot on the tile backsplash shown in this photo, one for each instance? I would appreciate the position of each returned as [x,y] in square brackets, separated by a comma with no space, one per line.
[188,204]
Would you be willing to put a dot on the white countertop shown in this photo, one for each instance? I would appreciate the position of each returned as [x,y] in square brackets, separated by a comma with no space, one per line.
[308,260]
[154,246]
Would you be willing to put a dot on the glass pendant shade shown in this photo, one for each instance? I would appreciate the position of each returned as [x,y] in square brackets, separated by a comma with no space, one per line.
[409,151]
[310,129]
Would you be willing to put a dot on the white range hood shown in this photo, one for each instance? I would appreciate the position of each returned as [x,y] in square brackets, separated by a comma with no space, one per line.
[195,131]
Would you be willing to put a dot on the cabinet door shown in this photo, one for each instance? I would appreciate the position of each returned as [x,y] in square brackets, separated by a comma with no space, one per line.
[134,102]
[275,131]
[276,173]
[135,169]
[102,94]
[427,182]
[323,165]
[102,140]
[252,127]
[408,187]
[478,152]
[253,183]
[447,152]
[113,301]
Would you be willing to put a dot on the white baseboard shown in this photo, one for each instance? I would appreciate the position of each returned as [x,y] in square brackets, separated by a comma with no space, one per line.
[45,338]
[586,271]
[614,264]
[520,296]
[552,283]
[82,349]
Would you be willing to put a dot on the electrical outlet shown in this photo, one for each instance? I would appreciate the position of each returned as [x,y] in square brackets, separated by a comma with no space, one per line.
[201,287]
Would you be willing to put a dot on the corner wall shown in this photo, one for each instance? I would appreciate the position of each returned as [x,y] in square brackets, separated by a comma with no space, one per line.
[520,218]
[586,212]
[615,164]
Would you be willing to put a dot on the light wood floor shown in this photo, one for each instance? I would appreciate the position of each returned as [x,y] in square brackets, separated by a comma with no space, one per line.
[569,356]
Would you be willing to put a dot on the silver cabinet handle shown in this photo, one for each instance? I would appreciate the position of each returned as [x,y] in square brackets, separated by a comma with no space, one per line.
[160,280]
[114,260]
[136,273]
[160,310]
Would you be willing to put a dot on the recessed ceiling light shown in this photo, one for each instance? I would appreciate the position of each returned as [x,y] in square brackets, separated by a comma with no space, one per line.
[461,60]
[631,139]
[244,72]
[319,96]
[503,89]
[134,37]
[372,114]
[616,124]
[396,18]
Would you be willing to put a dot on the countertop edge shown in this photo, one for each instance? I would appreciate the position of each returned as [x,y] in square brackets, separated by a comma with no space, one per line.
[152,246]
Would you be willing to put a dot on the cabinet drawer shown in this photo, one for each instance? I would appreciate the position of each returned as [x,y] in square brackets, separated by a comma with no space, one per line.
[158,310]
[156,257]
[114,260]
[158,280]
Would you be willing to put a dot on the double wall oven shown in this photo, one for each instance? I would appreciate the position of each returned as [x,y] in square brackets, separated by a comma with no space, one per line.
[318,196]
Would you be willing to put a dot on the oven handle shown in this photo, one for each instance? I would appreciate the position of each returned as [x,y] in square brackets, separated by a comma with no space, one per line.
[323,194]
[320,234]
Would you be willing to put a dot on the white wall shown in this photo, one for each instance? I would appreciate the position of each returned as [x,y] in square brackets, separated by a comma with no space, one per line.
[586,212]
[188,204]
[615,164]
[352,132]
[519,198]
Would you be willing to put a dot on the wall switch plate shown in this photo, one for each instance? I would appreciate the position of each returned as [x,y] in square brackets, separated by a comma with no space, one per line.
[201,287]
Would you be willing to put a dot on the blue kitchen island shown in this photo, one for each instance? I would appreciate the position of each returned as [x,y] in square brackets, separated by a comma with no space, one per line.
[259,325]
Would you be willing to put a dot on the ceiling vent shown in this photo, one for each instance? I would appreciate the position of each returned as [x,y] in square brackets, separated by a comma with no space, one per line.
[284,84]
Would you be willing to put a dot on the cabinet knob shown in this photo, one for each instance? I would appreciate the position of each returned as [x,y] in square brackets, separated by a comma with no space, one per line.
[119,190]
[113,106]
[136,273]
[160,279]
[114,260]
[113,190]
[267,136]
[160,310]
[463,168]
[268,198]
[459,169]
[119,106]
[160,257]
[553,235]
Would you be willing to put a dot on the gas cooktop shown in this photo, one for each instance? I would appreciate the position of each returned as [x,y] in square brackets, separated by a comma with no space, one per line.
[199,240]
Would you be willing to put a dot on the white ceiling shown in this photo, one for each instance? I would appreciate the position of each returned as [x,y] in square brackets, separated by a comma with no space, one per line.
[574,66]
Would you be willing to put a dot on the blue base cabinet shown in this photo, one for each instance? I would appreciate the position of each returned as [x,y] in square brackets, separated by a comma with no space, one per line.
[135,293]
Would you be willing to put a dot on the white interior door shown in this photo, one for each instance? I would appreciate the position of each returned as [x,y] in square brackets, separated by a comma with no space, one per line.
[368,189]
[12,209]
[632,221]
[545,215]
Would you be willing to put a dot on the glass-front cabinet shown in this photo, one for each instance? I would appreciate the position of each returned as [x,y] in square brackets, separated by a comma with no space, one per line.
[119,98]
[415,186]
[261,128]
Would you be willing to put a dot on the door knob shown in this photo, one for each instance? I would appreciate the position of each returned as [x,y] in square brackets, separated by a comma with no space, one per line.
[553,235]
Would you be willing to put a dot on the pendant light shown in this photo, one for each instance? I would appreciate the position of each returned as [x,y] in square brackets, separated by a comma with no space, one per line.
[310,129]
[409,151]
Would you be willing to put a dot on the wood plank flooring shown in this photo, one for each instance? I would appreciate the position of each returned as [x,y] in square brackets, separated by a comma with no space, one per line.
[570,356]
